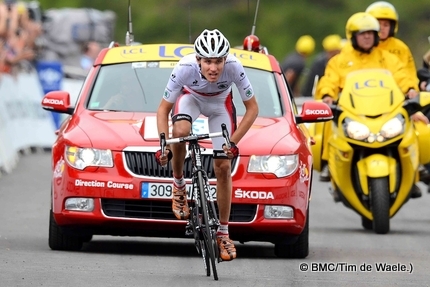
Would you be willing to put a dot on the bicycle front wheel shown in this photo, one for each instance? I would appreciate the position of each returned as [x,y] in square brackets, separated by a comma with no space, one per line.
[208,237]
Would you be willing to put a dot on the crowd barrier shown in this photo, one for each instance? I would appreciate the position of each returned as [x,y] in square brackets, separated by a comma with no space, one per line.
[24,125]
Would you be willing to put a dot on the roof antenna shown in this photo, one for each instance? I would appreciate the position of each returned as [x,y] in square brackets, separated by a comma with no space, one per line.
[189,21]
[255,18]
[252,42]
[129,38]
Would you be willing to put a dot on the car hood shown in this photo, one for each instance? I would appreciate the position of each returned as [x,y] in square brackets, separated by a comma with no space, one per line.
[117,130]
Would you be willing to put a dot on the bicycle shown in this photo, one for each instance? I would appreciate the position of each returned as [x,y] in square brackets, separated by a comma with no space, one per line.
[202,208]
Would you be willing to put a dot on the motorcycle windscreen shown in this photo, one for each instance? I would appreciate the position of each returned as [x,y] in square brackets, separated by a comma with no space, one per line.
[370,92]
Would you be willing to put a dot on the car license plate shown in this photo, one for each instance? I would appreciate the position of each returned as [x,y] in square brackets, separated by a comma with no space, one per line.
[164,190]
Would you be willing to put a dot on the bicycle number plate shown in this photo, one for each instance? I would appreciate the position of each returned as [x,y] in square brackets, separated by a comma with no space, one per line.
[164,190]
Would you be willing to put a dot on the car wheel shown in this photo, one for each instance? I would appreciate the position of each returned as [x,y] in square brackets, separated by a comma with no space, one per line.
[299,249]
[58,240]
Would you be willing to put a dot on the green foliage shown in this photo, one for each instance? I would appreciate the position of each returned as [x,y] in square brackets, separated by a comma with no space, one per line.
[279,22]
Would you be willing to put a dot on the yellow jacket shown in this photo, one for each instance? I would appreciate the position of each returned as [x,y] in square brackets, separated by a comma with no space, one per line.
[349,60]
[400,49]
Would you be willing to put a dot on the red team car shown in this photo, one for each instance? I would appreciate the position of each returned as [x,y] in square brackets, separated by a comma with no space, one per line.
[105,180]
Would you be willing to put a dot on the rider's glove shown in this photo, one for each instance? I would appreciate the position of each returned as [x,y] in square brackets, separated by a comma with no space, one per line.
[158,156]
[233,148]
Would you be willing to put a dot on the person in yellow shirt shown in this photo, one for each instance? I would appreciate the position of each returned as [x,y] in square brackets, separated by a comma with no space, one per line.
[389,23]
[362,33]
[388,19]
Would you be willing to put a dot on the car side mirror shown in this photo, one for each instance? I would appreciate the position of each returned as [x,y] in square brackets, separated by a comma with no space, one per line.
[314,112]
[57,101]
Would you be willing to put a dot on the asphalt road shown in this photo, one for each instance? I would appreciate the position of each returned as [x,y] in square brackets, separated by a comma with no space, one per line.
[336,239]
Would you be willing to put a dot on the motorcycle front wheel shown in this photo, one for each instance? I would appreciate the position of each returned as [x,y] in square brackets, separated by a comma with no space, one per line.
[380,204]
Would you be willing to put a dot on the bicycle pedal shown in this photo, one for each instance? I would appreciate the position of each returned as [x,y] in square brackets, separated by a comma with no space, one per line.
[189,230]
[189,233]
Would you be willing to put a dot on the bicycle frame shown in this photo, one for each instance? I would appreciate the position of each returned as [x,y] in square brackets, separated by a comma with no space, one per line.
[203,222]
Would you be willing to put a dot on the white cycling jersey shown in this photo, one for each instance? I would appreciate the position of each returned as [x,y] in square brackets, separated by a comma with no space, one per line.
[186,74]
[193,95]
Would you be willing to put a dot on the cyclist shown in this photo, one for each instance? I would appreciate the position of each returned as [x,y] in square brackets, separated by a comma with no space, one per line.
[359,53]
[201,83]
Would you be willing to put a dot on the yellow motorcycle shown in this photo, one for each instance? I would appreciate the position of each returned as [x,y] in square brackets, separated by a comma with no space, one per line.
[374,149]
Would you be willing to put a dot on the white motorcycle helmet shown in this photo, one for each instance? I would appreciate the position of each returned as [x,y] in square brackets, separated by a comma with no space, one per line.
[211,44]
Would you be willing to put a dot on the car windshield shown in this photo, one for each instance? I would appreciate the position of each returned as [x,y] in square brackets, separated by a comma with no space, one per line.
[138,87]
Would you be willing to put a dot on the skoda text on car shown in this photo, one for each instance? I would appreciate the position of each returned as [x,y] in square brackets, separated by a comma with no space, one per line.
[105,180]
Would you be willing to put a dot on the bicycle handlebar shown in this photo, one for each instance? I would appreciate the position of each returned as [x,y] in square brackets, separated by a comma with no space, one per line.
[224,133]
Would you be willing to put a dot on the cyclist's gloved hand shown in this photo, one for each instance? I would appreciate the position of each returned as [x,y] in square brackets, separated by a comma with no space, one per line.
[232,152]
[163,159]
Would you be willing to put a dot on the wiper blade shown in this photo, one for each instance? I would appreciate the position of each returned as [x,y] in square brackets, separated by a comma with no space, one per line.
[107,110]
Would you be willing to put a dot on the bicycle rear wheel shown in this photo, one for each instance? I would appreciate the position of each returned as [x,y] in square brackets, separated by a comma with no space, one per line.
[208,235]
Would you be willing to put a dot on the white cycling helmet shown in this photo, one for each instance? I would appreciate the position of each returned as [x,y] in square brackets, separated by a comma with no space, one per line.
[211,44]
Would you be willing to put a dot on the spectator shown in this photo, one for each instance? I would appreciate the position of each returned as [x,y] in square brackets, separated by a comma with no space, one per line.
[332,45]
[295,62]
[32,28]
[3,20]
[2,55]
[16,51]
[17,43]
[90,51]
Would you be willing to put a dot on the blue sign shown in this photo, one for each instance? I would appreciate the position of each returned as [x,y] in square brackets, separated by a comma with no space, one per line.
[51,77]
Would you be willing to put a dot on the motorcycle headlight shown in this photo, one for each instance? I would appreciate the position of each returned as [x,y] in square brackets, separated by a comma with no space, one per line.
[393,127]
[356,130]
[80,158]
[280,165]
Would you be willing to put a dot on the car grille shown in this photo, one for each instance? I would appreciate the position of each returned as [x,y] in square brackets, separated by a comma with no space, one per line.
[162,210]
[144,164]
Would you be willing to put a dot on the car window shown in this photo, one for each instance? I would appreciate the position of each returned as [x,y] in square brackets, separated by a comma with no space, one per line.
[266,93]
[130,87]
[138,87]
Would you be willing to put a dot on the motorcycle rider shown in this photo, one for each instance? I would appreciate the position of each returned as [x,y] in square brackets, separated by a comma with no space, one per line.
[360,53]
[388,19]
[389,23]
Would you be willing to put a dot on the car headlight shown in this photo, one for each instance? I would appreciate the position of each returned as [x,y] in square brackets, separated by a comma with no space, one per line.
[80,158]
[280,165]
[393,127]
[356,130]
